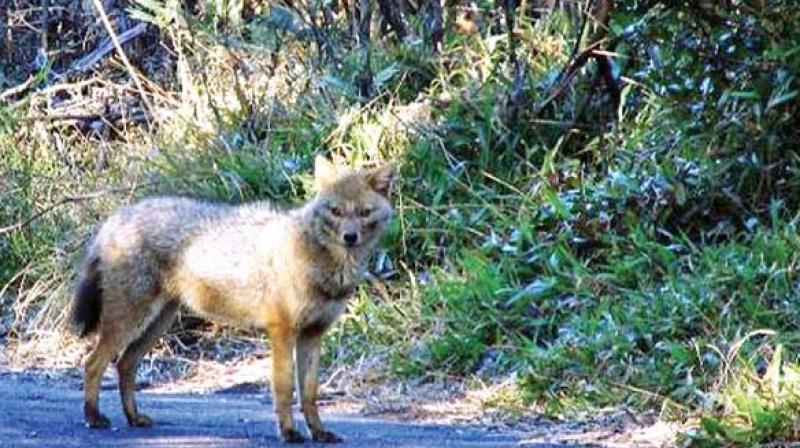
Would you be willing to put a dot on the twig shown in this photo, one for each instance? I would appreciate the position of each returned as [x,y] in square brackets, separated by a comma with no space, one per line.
[16,90]
[510,7]
[76,117]
[64,201]
[106,47]
[570,71]
[592,51]
[45,25]
[578,39]
[603,61]
[69,85]
[517,96]
[648,393]
[107,23]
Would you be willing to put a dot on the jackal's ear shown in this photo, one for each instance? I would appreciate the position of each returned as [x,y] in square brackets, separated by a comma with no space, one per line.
[324,173]
[382,179]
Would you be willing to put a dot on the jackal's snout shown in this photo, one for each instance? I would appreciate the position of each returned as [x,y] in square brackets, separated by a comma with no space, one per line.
[350,231]
[350,238]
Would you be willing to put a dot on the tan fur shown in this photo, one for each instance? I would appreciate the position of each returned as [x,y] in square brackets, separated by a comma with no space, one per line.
[288,272]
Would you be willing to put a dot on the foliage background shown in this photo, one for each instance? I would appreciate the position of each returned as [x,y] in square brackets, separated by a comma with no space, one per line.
[601,206]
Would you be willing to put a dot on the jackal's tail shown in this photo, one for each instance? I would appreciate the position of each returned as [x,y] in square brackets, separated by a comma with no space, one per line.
[88,296]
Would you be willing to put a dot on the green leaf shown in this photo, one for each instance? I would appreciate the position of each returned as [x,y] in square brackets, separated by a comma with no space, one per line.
[780,99]
[751,95]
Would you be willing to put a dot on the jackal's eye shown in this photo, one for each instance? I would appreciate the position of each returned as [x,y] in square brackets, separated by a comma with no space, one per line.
[366,211]
[336,211]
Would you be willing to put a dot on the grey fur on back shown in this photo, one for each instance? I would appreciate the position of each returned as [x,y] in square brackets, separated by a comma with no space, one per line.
[151,235]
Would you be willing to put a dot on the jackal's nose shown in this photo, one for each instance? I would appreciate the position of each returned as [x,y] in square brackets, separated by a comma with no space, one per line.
[350,238]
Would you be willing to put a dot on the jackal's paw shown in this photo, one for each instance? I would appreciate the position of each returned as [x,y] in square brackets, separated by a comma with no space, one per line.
[140,421]
[292,436]
[327,437]
[98,421]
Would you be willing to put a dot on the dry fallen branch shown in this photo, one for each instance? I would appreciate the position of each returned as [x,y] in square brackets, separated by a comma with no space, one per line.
[101,51]
[125,61]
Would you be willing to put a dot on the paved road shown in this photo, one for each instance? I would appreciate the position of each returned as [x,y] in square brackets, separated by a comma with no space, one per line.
[37,410]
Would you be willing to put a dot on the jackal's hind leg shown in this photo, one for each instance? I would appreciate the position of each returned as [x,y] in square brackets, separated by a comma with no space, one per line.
[129,361]
[106,348]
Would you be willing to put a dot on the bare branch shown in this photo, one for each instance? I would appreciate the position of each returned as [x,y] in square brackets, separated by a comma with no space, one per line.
[101,51]
[593,50]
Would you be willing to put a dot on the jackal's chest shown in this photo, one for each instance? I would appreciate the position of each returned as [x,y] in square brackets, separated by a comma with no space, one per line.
[318,315]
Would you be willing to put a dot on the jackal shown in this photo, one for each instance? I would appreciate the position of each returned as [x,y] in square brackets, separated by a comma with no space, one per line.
[289,272]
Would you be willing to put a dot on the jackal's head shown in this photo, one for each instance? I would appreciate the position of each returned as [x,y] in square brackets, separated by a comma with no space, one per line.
[352,208]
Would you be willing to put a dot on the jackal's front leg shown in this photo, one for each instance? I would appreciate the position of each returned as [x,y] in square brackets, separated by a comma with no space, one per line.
[283,341]
[307,374]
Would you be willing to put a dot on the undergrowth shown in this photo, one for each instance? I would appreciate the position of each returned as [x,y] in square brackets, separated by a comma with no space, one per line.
[642,253]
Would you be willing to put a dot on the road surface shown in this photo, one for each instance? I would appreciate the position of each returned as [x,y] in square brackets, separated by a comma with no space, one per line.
[46,411]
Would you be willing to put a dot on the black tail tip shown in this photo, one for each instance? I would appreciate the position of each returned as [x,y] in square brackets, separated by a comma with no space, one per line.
[88,304]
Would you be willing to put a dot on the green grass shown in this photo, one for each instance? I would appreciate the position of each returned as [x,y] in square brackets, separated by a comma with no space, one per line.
[751,407]
[601,256]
